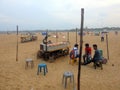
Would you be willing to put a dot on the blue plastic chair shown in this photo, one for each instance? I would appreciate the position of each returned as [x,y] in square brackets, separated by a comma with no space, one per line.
[44,66]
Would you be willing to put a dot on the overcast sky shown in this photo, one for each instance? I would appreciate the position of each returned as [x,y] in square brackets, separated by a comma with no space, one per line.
[58,14]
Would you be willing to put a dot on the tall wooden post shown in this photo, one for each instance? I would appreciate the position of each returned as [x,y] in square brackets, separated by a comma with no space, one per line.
[46,39]
[81,42]
[107,46]
[76,35]
[17,45]
[68,36]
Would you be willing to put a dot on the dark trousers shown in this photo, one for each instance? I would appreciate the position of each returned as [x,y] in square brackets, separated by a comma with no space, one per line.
[102,39]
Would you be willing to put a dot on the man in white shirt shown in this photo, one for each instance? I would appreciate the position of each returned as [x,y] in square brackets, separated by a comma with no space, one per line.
[76,51]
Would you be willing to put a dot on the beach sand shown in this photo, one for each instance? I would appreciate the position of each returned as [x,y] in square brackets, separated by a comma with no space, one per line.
[14,76]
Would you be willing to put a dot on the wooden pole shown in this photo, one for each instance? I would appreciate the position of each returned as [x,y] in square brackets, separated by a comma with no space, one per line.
[107,46]
[46,39]
[81,42]
[68,36]
[76,35]
[56,36]
[17,45]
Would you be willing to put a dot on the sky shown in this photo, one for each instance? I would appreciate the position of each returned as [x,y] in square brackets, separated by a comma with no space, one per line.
[58,14]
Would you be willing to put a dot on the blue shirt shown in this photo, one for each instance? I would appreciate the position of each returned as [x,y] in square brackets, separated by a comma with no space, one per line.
[97,56]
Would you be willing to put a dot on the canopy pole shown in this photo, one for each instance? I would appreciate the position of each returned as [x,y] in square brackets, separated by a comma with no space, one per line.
[17,45]
[107,46]
[76,35]
[68,36]
[81,42]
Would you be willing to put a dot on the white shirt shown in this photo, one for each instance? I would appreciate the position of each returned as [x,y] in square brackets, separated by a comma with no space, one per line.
[76,51]
[102,35]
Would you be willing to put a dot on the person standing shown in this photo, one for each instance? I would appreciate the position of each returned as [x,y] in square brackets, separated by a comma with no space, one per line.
[102,37]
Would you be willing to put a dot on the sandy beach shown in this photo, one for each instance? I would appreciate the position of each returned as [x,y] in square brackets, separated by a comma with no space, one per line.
[14,76]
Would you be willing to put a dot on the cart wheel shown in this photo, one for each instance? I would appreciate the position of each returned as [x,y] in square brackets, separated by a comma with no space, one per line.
[39,54]
[46,56]
[51,58]
[66,51]
[54,56]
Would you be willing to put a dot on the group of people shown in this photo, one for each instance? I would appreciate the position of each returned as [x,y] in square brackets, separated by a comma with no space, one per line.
[87,57]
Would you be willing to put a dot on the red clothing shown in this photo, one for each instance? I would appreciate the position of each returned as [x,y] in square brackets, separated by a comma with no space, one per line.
[88,50]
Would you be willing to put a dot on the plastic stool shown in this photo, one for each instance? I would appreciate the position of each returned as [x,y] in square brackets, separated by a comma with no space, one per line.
[29,61]
[67,75]
[44,66]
